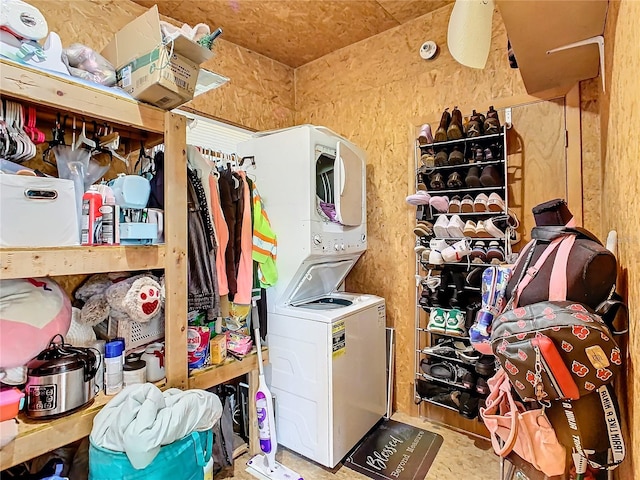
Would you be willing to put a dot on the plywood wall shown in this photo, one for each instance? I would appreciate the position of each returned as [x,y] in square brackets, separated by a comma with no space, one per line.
[375,93]
[620,171]
[259,96]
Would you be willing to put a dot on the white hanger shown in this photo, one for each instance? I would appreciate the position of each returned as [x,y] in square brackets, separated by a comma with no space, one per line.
[83,139]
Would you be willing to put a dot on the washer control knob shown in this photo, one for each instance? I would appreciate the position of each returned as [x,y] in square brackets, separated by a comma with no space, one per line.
[317,239]
[363,237]
[337,247]
[342,247]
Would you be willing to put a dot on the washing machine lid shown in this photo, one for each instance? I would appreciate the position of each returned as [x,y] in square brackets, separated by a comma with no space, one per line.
[319,280]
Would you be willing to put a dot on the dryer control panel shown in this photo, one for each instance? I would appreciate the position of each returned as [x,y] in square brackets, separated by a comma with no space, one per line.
[327,242]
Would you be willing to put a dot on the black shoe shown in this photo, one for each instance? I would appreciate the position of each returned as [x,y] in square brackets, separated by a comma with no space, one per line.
[468,406]
[458,291]
[427,389]
[486,365]
[450,399]
[443,290]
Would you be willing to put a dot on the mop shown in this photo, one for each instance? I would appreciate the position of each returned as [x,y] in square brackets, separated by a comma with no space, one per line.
[264,465]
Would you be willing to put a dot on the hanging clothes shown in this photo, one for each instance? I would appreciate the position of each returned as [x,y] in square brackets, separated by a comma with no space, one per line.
[244,280]
[232,201]
[222,235]
[202,284]
[265,243]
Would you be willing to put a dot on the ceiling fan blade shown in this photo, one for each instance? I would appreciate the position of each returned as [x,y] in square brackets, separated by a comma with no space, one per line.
[469,35]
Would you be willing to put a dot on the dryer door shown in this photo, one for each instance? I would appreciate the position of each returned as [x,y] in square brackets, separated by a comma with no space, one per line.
[349,184]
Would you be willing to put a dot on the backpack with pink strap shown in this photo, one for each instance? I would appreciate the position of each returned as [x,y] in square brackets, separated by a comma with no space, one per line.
[555,340]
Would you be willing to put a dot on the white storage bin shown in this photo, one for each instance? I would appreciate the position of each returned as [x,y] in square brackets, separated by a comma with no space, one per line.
[37,212]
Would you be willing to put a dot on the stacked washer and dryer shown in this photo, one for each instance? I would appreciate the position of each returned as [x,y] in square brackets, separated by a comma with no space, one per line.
[327,348]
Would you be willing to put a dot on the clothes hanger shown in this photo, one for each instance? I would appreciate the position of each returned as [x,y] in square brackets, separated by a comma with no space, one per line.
[83,139]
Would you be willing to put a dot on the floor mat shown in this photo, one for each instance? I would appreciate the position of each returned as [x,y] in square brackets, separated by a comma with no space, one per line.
[395,451]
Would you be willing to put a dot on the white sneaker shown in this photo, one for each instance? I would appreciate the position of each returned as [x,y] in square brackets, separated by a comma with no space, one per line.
[440,227]
[435,256]
[492,230]
[455,228]
[457,251]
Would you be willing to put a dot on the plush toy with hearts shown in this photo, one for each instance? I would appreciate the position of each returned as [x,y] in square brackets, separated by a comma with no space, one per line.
[138,298]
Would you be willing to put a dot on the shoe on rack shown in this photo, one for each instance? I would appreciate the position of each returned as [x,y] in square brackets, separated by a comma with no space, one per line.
[455,227]
[494,252]
[423,229]
[495,203]
[468,406]
[488,153]
[454,180]
[482,387]
[437,321]
[455,322]
[466,204]
[428,160]
[424,256]
[456,157]
[486,365]
[426,389]
[421,197]
[435,255]
[439,203]
[440,227]
[481,231]
[436,182]
[477,153]
[480,203]
[441,131]
[441,350]
[474,277]
[492,229]
[491,122]
[479,252]
[454,204]
[425,137]
[458,289]
[455,130]
[450,399]
[440,370]
[441,158]
[469,380]
[490,177]
[474,127]
[472,179]
[455,252]
[469,229]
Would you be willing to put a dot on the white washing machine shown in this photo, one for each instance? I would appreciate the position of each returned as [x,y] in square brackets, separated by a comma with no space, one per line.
[326,348]
[327,369]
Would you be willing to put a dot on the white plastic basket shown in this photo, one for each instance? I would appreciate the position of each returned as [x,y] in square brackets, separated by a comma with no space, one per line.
[135,334]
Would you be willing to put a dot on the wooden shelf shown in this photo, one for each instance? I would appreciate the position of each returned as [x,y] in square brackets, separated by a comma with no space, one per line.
[36,437]
[22,82]
[54,261]
[216,374]
[536,27]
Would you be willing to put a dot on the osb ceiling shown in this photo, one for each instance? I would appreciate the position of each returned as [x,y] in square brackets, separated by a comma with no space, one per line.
[295,32]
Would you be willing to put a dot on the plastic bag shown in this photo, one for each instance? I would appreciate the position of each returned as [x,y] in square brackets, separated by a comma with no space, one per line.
[88,64]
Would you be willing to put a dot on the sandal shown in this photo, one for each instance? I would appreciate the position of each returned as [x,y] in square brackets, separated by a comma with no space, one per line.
[454,204]
[495,252]
[454,180]
[437,182]
[480,203]
[466,204]
[428,160]
[469,229]
[479,252]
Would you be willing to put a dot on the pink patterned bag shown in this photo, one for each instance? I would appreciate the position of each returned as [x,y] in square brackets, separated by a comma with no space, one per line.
[526,432]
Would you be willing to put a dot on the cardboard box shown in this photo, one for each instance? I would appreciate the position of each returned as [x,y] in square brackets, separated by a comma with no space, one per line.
[162,75]
[218,349]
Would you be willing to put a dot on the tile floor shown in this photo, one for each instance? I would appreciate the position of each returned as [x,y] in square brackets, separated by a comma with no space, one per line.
[459,456]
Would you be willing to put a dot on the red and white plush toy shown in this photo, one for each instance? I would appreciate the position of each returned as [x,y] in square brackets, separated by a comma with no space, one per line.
[139,298]
[32,312]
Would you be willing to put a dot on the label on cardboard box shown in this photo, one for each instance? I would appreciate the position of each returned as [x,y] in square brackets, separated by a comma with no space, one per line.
[156,79]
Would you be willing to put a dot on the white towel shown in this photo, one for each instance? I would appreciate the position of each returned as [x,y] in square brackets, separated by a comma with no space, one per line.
[142,418]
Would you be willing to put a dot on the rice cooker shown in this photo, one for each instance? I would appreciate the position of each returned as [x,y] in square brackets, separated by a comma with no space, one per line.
[61,379]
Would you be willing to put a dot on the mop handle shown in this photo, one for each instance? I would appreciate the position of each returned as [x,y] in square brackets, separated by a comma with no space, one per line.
[256,331]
